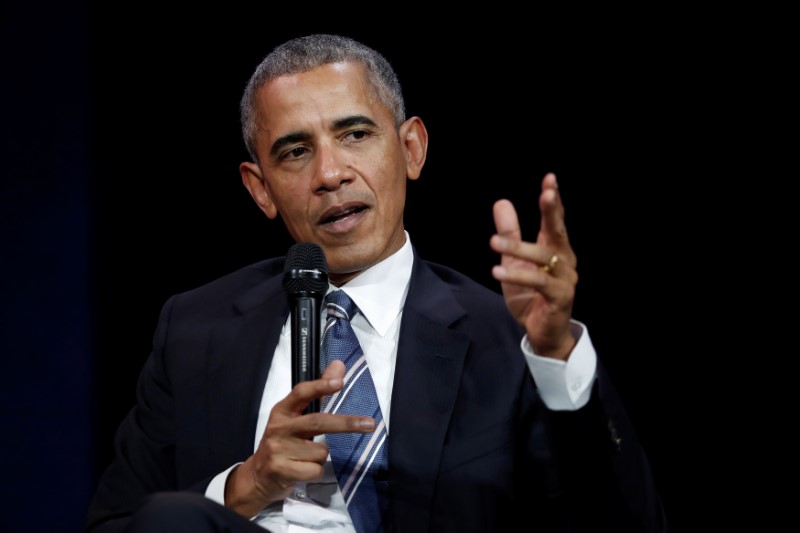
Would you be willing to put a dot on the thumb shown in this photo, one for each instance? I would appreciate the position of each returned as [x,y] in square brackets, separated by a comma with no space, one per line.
[505,220]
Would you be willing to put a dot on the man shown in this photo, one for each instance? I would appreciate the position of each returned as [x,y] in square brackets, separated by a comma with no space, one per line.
[490,425]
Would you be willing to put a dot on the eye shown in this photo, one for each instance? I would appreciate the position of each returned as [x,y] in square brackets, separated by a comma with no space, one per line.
[356,135]
[294,153]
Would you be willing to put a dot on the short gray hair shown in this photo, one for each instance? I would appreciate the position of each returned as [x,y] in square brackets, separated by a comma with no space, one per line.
[309,52]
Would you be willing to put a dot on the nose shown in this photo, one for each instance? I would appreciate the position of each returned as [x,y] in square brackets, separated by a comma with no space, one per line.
[332,169]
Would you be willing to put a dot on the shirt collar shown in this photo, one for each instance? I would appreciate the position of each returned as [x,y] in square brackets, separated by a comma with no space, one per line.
[380,291]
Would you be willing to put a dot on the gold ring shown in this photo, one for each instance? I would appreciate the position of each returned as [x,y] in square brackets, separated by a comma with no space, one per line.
[550,265]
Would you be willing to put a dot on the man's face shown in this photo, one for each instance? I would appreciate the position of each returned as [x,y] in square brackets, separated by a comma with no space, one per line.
[332,164]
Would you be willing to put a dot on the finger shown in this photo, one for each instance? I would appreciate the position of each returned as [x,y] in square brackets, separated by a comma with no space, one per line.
[319,423]
[505,219]
[554,288]
[552,230]
[334,369]
[532,264]
[508,240]
[304,470]
[301,394]
[526,251]
[283,448]
[506,222]
[335,423]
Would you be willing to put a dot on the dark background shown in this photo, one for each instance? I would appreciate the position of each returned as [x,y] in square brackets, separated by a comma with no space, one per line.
[120,187]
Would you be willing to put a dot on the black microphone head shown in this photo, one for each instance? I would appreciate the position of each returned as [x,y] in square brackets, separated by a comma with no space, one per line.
[305,270]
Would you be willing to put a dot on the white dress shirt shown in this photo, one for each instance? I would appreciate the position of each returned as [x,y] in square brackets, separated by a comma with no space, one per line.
[380,293]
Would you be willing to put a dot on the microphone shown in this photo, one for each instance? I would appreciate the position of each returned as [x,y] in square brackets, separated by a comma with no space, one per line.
[305,280]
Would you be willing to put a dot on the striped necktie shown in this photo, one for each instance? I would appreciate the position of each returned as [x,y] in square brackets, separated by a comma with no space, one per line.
[356,457]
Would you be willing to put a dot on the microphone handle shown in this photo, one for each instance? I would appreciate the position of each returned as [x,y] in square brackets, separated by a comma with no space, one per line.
[305,343]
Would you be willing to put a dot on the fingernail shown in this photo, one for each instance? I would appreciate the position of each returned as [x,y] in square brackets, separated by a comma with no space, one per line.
[335,382]
[366,423]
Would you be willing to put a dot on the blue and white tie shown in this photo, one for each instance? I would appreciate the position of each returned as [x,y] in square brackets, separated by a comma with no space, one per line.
[356,457]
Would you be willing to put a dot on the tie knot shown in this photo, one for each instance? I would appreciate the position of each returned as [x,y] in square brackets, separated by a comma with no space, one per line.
[340,305]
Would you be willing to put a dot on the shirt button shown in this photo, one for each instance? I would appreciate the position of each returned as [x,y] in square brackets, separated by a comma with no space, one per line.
[300,494]
[576,385]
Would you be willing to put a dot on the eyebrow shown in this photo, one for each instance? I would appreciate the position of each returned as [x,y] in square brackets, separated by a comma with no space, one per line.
[300,136]
[286,140]
[354,120]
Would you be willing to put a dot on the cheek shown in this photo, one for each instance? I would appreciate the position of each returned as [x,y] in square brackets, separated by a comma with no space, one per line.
[289,193]
[396,187]
[391,174]
[291,203]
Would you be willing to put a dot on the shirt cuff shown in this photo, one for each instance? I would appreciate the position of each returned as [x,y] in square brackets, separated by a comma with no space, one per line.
[216,489]
[564,385]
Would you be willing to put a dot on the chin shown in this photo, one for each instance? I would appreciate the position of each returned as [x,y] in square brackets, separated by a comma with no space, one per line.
[347,260]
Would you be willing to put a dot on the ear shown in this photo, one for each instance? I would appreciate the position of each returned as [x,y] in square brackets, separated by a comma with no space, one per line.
[414,136]
[256,185]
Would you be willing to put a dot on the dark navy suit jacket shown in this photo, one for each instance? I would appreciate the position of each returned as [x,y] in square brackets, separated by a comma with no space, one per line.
[471,445]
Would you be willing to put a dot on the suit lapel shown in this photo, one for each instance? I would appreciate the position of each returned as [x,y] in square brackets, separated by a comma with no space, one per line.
[428,370]
[239,356]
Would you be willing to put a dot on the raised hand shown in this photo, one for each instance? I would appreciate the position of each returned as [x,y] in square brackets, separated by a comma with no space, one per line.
[538,278]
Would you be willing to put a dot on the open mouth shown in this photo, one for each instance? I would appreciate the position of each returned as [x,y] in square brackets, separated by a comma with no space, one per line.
[342,215]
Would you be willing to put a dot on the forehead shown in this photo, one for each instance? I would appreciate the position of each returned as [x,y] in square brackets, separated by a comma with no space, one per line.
[324,94]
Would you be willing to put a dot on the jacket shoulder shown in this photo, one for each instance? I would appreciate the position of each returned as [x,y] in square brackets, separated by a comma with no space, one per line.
[242,279]
[464,286]
[218,297]
[480,304]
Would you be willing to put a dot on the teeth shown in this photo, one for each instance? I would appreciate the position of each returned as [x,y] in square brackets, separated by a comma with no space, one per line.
[344,213]
[341,215]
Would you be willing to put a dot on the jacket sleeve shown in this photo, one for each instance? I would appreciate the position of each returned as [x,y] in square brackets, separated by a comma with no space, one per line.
[602,469]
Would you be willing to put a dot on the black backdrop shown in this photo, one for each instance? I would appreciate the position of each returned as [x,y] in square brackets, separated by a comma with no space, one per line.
[616,111]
